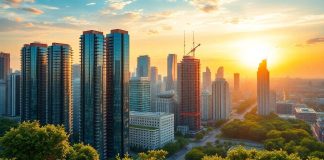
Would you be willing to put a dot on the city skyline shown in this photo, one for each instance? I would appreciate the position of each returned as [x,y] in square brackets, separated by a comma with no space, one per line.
[241,32]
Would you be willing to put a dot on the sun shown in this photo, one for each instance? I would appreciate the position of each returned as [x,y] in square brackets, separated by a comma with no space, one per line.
[252,52]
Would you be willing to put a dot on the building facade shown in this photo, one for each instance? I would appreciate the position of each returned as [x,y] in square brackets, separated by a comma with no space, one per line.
[189,93]
[263,89]
[92,104]
[59,105]
[117,117]
[236,81]
[166,102]
[206,109]
[143,66]
[150,130]
[207,83]
[76,86]
[34,82]
[4,74]
[14,94]
[139,94]
[154,90]
[171,72]
[221,100]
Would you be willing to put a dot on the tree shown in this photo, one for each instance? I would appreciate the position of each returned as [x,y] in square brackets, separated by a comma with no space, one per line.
[212,158]
[82,152]
[153,155]
[31,141]
[6,124]
[199,136]
[194,154]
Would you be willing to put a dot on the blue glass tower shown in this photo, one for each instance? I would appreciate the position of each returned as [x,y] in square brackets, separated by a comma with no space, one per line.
[59,109]
[92,99]
[33,82]
[117,44]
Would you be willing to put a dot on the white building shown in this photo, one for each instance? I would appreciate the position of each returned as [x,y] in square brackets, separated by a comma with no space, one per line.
[221,99]
[150,130]
[206,106]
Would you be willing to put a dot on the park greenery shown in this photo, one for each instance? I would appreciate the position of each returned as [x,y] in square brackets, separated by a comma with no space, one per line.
[149,155]
[291,136]
[244,105]
[6,124]
[209,149]
[174,147]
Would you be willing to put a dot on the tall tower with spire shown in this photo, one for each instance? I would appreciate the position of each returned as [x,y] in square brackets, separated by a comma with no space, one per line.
[263,89]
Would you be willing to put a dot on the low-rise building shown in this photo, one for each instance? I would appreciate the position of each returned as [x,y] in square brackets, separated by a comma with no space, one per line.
[284,107]
[318,127]
[307,114]
[150,130]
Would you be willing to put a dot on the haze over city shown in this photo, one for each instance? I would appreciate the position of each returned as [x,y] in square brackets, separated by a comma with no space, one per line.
[235,34]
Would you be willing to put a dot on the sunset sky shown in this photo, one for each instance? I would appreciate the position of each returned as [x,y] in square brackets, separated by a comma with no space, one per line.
[235,34]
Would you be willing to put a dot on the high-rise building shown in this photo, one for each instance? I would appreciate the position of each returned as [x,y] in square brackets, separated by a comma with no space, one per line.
[76,86]
[263,89]
[206,84]
[171,72]
[189,92]
[165,102]
[143,66]
[206,106]
[273,101]
[150,130]
[14,94]
[92,101]
[154,86]
[139,94]
[220,97]
[4,73]
[117,117]
[59,105]
[236,81]
[34,82]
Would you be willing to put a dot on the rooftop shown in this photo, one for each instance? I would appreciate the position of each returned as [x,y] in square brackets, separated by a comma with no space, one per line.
[143,127]
[149,114]
[305,110]
[166,94]
[119,31]
[92,31]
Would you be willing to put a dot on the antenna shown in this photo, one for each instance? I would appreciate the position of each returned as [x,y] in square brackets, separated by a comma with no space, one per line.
[184,42]
[193,41]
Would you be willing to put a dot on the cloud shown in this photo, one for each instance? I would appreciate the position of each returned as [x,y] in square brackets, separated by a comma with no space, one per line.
[315,40]
[75,21]
[115,5]
[90,4]
[206,5]
[29,24]
[167,27]
[33,10]
[152,32]
[18,19]
[49,7]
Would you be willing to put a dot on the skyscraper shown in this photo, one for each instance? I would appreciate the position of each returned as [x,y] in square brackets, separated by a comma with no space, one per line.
[221,97]
[206,84]
[59,105]
[14,94]
[236,81]
[189,88]
[139,96]
[171,72]
[154,86]
[206,106]
[76,84]
[34,82]
[4,73]
[92,104]
[263,89]
[143,66]
[117,117]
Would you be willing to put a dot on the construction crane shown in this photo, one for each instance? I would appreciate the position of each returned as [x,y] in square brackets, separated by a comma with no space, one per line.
[193,50]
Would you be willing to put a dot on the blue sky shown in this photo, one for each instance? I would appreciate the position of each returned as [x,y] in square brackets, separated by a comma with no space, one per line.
[156,28]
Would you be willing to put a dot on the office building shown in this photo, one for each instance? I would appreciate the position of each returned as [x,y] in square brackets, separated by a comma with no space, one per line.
[166,102]
[221,100]
[117,117]
[273,101]
[4,73]
[139,94]
[306,114]
[263,89]
[59,105]
[76,86]
[236,81]
[284,107]
[92,90]
[171,72]
[143,66]
[154,86]
[206,78]
[150,130]
[206,106]
[34,82]
[13,108]
[189,93]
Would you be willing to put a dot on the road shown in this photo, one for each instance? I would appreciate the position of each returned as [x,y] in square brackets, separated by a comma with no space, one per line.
[211,137]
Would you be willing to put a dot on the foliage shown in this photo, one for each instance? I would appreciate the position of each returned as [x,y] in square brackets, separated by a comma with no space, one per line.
[6,124]
[32,141]
[82,152]
[292,136]
[219,123]
[174,147]
[153,155]
[245,104]
[194,154]
[209,150]
[199,136]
